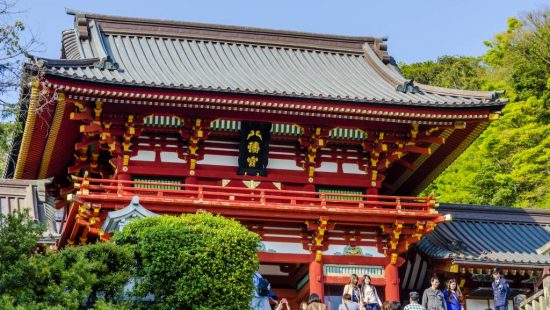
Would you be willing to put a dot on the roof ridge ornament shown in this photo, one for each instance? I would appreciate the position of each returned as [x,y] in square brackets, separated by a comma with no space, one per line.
[81,25]
[106,63]
[409,87]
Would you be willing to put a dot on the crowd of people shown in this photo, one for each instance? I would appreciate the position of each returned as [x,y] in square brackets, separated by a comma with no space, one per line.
[363,296]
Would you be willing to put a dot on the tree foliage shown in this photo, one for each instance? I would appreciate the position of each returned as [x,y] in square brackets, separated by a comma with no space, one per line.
[509,164]
[197,261]
[73,278]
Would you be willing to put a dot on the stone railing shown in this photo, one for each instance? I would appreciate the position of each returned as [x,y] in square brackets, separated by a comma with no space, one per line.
[539,301]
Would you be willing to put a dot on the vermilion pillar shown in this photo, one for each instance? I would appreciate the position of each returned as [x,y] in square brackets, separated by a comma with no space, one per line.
[392,282]
[316,283]
[124,177]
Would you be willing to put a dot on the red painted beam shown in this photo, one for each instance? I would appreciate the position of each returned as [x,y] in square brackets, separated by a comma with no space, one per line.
[284,258]
[288,258]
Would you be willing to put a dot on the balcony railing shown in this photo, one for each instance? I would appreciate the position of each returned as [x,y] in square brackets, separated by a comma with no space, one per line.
[100,189]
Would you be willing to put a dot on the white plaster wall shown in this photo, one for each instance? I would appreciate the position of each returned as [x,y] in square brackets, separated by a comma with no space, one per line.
[285,247]
[144,156]
[170,157]
[352,169]
[327,167]
[220,160]
[285,164]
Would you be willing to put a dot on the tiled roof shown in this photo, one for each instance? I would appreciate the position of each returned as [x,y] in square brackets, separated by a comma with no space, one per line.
[490,235]
[190,56]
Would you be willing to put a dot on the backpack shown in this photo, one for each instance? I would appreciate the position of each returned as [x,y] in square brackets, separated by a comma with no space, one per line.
[263,287]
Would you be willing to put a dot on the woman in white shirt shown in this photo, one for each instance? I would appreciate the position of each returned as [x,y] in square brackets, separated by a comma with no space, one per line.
[370,299]
[352,288]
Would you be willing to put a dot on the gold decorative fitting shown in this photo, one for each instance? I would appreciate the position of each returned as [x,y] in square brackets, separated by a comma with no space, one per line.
[318,255]
[460,125]
[453,268]
[394,257]
[494,116]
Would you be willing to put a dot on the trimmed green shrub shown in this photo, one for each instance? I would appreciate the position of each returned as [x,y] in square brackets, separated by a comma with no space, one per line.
[194,261]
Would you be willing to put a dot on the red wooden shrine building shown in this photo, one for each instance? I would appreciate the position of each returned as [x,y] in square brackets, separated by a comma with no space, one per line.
[315,142]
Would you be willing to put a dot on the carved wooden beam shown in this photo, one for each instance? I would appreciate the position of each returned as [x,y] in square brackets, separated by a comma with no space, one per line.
[312,141]
[197,131]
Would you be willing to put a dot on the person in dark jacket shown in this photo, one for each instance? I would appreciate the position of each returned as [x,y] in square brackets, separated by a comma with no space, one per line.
[433,298]
[501,291]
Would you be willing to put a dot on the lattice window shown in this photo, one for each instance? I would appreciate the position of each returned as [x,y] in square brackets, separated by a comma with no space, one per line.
[334,191]
[276,129]
[347,134]
[158,180]
[373,271]
[162,121]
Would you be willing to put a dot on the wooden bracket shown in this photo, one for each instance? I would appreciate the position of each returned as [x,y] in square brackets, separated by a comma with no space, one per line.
[197,132]
[313,140]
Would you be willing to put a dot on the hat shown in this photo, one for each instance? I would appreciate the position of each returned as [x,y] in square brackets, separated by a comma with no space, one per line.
[414,295]
[495,271]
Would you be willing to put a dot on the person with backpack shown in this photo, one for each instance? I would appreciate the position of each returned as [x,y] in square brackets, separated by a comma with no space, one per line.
[262,293]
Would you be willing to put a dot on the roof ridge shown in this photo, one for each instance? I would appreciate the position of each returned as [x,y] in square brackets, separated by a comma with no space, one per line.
[490,95]
[172,28]
[465,212]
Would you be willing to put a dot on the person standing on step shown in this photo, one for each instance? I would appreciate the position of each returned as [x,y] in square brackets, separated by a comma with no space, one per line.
[453,295]
[433,298]
[352,288]
[370,299]
[413,302]
[501,291]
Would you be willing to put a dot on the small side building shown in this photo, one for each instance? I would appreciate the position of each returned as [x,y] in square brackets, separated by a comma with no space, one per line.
[30,195]
[478,239]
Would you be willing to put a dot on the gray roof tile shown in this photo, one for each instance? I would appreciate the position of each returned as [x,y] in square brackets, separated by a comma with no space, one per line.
[244,60]
[490,235]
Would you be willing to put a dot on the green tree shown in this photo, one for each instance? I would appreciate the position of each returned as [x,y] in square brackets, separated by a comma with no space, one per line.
[19,235]
[509,164]
[448,71]
[73,278]
[195,261]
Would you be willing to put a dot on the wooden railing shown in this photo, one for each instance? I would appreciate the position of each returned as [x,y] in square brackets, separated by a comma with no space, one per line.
[541,299]
[261,197]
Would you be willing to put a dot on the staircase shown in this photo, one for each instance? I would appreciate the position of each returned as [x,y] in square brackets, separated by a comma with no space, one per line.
[539,301]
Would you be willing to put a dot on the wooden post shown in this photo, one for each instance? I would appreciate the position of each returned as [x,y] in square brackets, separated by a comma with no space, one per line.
[316,283]
[392,282]
[372,191]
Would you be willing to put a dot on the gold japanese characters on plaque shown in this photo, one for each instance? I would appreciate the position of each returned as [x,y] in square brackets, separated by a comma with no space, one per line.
[254,148]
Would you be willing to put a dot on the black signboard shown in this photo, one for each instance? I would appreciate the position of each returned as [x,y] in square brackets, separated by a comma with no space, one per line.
[254,148]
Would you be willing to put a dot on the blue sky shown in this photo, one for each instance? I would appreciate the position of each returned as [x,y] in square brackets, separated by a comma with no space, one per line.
[417,30]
